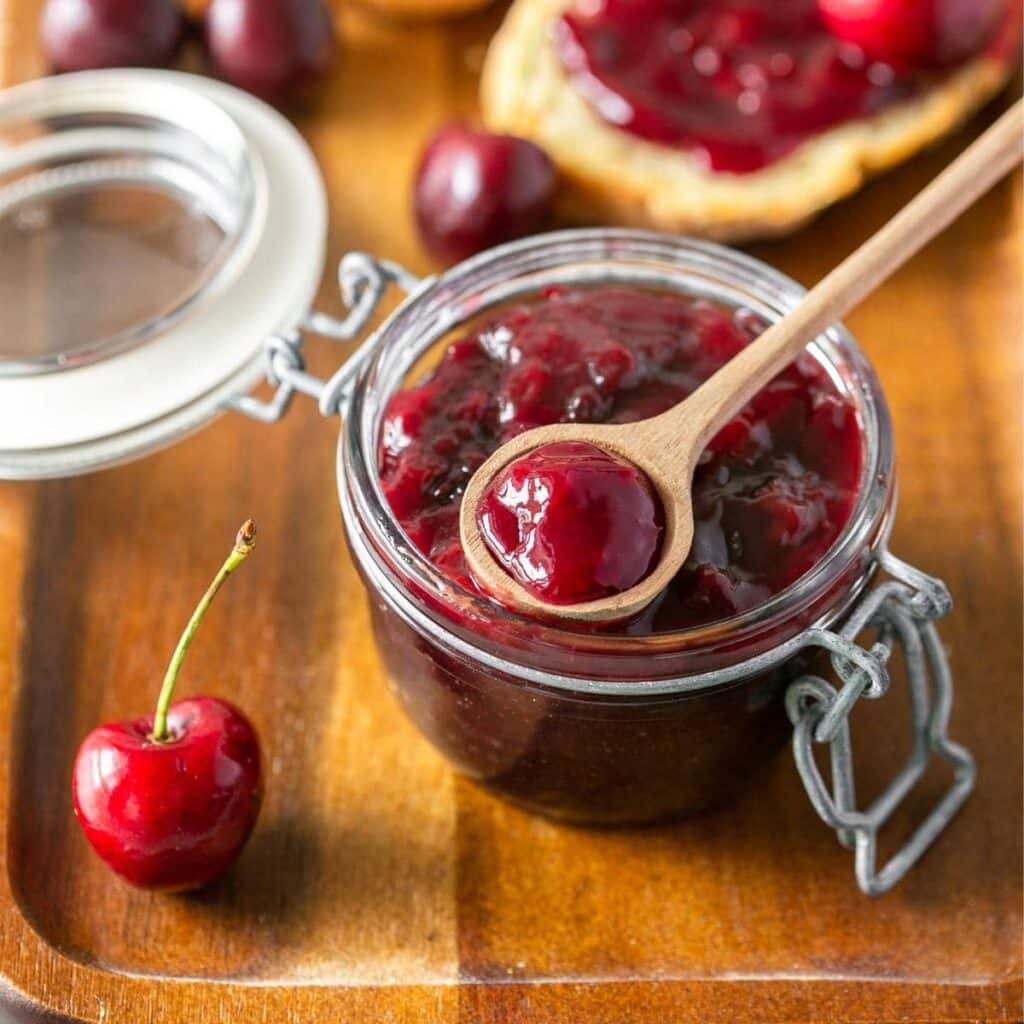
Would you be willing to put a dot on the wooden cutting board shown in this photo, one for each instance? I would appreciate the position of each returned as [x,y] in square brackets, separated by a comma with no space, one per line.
[378,886]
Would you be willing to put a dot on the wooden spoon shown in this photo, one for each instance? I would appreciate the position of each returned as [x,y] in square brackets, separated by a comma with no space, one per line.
[667,447]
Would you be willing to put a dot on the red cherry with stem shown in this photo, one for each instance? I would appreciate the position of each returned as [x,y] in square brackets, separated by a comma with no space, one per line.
[169,801]
[79,35]
[273,48]
[474,190]
[914,33]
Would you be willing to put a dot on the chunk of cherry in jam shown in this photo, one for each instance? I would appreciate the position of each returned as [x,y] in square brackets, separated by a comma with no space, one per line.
[572,523]
[742,83]
[771,493]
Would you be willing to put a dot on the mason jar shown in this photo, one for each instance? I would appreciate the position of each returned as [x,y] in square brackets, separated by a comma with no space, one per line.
[605,728]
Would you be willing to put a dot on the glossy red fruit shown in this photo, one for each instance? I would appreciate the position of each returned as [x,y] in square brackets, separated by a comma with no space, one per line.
[173,814]
[78,35]
[474,190]
[909,33]
[169,801]
[572,523]
[273,48]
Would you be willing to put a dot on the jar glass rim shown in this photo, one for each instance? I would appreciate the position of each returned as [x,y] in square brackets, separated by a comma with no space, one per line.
[444,303]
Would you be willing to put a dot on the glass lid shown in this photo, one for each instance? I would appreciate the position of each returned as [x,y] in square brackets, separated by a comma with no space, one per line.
[155,229]
[112,221]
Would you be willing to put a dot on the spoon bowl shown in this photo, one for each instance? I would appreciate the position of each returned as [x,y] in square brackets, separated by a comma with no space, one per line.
[638,444]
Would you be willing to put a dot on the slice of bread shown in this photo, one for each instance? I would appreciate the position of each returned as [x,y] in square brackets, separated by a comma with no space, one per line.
[611,176]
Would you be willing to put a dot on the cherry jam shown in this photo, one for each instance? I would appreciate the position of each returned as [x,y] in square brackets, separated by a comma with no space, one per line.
[572,523]
[771,493]
[738,83]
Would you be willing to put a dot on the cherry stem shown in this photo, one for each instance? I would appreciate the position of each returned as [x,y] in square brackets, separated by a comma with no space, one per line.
[244,543]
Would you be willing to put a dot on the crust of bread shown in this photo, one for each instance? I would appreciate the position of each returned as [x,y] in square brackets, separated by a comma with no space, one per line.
[611,176]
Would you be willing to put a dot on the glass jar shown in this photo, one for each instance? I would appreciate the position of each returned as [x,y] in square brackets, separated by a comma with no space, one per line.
[609,729]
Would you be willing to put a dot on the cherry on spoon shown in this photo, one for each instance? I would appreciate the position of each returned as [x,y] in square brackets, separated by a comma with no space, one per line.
[667,447]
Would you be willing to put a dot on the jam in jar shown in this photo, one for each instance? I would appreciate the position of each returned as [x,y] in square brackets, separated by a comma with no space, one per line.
[770,495]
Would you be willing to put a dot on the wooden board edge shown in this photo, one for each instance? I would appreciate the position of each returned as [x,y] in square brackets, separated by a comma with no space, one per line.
[96,996]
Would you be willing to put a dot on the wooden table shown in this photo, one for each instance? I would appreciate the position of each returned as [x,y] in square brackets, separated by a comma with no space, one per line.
[378,886]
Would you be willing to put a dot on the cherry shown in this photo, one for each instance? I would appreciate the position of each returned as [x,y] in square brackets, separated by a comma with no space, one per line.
[572,523]
[474,190]
[81,34]
[914,32]
[169,801]
[273,48]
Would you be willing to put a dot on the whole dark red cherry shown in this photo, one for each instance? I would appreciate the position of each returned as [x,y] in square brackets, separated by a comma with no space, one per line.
[170,814]
[273,48]
[572,523]
[78,35]
[914,33]
[474,189]
[168,801]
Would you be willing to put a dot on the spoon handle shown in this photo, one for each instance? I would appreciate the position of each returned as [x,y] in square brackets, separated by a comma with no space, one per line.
[963,182]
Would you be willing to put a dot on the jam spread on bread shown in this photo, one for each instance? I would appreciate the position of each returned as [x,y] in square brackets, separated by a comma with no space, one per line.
[740,83]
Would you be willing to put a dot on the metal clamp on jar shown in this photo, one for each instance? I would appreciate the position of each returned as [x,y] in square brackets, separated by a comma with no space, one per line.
[604,728]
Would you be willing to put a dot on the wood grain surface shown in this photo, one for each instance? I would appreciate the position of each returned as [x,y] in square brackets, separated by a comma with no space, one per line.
[377,885]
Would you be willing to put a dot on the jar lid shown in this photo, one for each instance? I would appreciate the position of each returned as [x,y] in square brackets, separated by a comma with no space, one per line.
[155,229]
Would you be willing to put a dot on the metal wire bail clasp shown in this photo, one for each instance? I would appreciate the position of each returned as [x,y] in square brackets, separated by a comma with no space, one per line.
[363,280]
[902,611]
